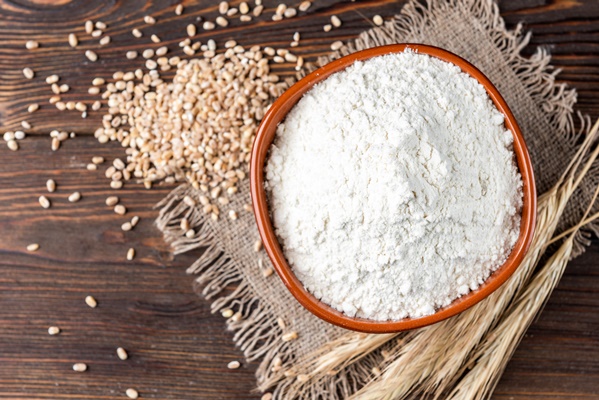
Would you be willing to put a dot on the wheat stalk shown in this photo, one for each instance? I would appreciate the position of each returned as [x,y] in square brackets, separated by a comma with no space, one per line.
[494,353]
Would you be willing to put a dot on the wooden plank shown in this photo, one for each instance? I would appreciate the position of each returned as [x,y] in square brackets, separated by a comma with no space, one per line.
[178,349]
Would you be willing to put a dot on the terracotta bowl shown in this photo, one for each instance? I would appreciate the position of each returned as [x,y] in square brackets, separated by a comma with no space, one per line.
[265,136]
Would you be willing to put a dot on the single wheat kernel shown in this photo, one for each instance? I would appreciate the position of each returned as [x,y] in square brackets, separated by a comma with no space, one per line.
[120,209]
[91,166]
[33,107]
[232,11]
[112,201]
[116,184]
[161,51]
[75,197]
[137,33]
[96,33]
[73,41]
[296,37]
[290,336]
[155,38]
[281,9]
[91,55]
[232,215]
[335,21]
[228,313]
[53,330]
[134,221]
[33,247]
[258,10]
[223,7]
[268,396]
[97,160]
[179,9]
[126,226]
[245,18]
[44,202]
[327,27]
[131,254]
[376,371]
[233,365]
[336,45]
[244,8]
[378,20]
[79,367]
[50,185]
[267,272]
[304,5]
[190,234]
[290,12]
[191,30]
[90,301]
[149,20]
[132,393]
[221,21]
[257,245]
[89,27]
[12,145]
[28,73]
[122,353]
[25,125]
[32,44]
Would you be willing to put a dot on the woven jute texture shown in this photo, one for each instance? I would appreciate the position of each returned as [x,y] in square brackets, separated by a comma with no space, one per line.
[264,309]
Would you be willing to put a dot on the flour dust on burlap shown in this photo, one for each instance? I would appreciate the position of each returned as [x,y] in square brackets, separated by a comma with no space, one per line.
[266,310]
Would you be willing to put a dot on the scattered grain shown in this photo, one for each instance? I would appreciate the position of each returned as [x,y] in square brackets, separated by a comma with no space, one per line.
[91,55]
[304,5]
[44,202]
[335,21]
[221,21]
[79,367]
[290,336]
[53,330]
[290,12]
[116,184]
[378,20]
[132,393]
[89,27]
[120,209]
[33,247]
[112,201]
[122,353]
[28,73]
[50,185]
[131,254]
[91,301]
[233,365]
[75,197]
[32,44]
[73,40]
[223,7]
[336,45]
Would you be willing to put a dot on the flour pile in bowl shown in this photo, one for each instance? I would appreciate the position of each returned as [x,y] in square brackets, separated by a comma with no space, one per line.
[393,187]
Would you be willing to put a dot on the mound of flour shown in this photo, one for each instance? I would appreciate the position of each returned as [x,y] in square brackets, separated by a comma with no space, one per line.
[393,187]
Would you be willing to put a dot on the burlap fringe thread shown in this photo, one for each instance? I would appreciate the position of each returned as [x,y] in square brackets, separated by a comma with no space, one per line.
[257,332]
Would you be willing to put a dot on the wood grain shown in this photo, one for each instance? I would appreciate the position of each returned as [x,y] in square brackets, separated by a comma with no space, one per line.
[178,349]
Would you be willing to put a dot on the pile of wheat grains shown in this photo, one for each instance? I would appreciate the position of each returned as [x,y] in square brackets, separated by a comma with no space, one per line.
[200,127]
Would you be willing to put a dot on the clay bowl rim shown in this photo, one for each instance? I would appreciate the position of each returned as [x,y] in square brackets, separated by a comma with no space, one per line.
[265,135]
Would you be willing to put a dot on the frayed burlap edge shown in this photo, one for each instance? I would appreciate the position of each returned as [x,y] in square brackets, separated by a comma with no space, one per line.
[257,331]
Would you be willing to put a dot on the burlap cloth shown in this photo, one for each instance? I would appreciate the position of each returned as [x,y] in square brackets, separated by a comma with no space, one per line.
[472,29]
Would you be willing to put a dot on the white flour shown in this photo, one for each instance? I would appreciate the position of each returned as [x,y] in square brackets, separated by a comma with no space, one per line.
[393,187]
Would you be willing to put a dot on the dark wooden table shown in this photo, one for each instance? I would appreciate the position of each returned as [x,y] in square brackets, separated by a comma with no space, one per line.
[178,350]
